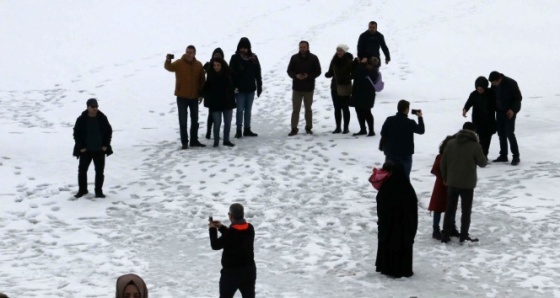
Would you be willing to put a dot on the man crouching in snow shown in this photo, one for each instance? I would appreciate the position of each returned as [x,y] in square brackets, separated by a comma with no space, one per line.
[238,259]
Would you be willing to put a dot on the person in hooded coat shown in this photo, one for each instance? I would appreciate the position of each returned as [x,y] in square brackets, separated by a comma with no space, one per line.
[363,93]
[340,70]
[131,286]
[246,72]
[397,212]
[219,96]
[483,104]
[217,53]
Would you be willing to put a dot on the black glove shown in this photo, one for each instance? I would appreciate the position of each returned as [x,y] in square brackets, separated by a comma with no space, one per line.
[259,90]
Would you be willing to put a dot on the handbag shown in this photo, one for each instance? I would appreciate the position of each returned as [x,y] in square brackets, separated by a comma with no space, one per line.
[378,177]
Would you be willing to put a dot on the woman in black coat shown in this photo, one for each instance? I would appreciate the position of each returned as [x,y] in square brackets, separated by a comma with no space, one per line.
[397,212]
[340,70]
[218,53]
[219,98]
[483,102]
[363,92]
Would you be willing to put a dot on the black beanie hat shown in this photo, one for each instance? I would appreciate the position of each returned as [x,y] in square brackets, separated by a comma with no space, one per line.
[494,76]
[481,82]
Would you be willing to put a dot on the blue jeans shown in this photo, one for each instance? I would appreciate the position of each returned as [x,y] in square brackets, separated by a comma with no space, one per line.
[217,118]
[183,105]
[406,161]
[244,106]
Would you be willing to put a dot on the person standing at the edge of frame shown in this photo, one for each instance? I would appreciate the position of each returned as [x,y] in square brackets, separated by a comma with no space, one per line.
[92,136]
[304,68]
[189,81]
[369,43]
[246,72]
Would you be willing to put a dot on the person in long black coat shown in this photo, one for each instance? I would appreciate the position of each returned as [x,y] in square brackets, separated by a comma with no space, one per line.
[363,93]
[483,102]
[397,212]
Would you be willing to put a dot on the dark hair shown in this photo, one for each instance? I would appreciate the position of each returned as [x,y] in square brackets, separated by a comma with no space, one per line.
[212,73]
[481,82]
[236,211]
[443,143]
[305,42]
[469,126]
[403,105]
[494,76]
[373,23]
[192,48]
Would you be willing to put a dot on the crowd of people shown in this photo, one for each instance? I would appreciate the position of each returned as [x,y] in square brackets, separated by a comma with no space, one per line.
[355,80]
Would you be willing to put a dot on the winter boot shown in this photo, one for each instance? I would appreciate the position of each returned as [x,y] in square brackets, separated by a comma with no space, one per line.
[293,132]
[337,130]
[238,134]
[308,131]
[248,133]
[436,234]
[467,238]
[360,133]
[229,144]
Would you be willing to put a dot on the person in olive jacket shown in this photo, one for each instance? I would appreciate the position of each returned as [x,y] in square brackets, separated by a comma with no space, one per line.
[483,102]
[92,137]
[303,68]
[219,97]
[238,258]
[508,105]
[458,167]
[340,70]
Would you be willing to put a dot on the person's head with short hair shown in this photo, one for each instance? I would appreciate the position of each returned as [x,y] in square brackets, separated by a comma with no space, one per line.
[469,126]
[190,53]
[403,106]
[236,212]
[372,27]
[131,286]
[495,78]
[303,47]
[92,107]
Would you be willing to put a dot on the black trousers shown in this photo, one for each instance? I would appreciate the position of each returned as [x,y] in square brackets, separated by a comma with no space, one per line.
[341,109]
[184,105]
[365,115]
[243,278]
[485,140]
[506,132]
[98,158]
[453,194]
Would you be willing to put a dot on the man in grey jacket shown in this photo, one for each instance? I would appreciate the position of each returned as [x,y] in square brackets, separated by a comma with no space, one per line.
[460,158]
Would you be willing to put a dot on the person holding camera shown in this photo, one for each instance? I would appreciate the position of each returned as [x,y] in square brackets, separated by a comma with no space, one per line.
[238,259]
[189,81]
[397,135]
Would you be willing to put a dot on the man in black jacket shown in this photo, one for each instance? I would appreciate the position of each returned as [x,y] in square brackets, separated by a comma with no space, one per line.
[304,68]
[246,72]
[238,259]
[92,136]
[397,136]
[369,43]
[508,104]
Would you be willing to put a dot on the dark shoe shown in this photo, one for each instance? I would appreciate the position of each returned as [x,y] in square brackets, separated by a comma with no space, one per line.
[501,159]
[445,239]
[293,132]
[337,130]
[515,161]
[80,193]
[184,147]
[197,144]
[100,194]
[371,133]
[216,145]
[248,133]
[454,233]
[308,131]
[238,134]
[467,238]
[229,144]
[345,131]
[360,133]
[436,234]
[208,135]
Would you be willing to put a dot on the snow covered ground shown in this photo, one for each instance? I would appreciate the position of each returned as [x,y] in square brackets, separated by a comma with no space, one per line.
[308,196]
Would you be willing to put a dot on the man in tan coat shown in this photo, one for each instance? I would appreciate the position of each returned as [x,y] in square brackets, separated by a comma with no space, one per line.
[189,81]
[458,167]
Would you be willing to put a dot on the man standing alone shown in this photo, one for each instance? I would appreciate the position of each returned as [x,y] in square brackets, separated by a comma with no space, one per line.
[189,81]
[92,137]
[238,258]
[369,43]
[304,68]
[508,104]
[458,170]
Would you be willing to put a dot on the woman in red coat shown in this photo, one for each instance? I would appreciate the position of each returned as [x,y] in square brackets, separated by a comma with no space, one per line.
[438,202]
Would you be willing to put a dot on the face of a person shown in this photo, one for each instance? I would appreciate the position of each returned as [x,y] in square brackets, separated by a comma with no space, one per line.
[303,48]
[339,52]
[496,82]
[372,28]
[243,51]
[92,110]
[190,54]
[217,66]
[131,291]
[480,90]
